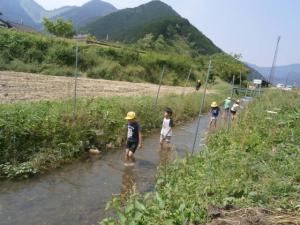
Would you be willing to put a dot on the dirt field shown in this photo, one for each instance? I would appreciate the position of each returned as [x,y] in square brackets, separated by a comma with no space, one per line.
[15,86]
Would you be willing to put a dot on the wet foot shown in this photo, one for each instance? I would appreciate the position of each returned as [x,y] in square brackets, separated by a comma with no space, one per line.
[129,164]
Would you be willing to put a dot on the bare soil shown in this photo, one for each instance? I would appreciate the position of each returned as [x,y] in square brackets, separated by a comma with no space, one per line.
[17,86]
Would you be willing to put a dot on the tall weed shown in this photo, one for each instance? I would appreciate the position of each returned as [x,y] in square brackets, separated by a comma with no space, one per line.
[44,135]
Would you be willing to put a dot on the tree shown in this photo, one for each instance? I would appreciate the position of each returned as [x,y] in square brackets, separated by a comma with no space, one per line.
[160,43]
[147,42]
[91,37]
[237,56]
[59,28]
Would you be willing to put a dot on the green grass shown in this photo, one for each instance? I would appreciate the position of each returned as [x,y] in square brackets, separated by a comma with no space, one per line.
[254,164]
[36,53]
[36,137]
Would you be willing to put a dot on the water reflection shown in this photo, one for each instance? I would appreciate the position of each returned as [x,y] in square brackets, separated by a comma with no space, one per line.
[78,193]
[167,154]
[128,181]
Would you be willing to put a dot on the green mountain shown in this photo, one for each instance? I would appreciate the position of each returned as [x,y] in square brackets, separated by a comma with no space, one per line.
[13,10]
[37,12]
[288,74]
[87,12]
[155,17]
[31,13]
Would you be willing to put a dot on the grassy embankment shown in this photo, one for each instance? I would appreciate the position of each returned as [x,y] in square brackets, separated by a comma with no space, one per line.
[255,164]
[36,53]
[36,137]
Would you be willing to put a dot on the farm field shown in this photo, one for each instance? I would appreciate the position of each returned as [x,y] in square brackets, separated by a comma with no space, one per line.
[17,86]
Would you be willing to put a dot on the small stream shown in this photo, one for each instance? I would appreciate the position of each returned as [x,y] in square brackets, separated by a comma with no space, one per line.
[77,194]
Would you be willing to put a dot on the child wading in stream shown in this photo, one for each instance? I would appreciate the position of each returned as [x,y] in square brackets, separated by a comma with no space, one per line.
[134,137]
[215,111]
[235,108]
[167,125]
[227,105]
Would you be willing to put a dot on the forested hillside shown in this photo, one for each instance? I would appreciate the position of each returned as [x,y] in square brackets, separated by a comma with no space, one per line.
[155,18]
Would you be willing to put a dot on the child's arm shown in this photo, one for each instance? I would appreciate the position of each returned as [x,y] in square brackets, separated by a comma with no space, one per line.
[171,123]
[140,140]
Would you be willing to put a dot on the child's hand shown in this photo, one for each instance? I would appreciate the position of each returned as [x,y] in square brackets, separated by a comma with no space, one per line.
[140,145]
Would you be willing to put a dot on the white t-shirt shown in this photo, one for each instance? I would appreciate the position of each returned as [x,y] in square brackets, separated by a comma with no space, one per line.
[235,107]
[166,129]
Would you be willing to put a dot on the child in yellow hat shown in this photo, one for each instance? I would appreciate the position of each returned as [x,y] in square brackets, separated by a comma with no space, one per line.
[215,111]
[134,137]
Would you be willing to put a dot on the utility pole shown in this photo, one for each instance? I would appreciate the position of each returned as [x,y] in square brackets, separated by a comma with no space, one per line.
[187,80]
[75,81]
[240,79]
[160,83]
[272,72]
[232,90]
[201,107]
[232,87]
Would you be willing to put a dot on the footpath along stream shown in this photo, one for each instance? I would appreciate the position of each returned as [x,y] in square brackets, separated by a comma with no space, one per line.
[77,194]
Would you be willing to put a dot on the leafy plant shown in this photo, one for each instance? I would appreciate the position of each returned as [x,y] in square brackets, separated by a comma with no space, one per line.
[59,28]
[39,136]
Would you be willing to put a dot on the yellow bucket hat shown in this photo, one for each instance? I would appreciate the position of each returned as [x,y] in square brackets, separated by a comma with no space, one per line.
[130,116]
[214,104]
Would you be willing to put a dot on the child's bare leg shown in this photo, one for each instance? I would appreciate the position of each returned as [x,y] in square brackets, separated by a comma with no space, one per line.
[161,142]
[210,123]
[126,157]
[161,145]
[131,156]
[169,146]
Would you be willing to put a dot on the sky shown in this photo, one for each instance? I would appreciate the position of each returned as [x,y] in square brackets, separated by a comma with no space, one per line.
[247,27]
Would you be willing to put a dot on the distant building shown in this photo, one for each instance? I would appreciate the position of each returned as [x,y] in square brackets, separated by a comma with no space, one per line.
[16,26]
[21,27]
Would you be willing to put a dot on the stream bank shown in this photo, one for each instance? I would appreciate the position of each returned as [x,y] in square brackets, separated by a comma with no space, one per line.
[77,194]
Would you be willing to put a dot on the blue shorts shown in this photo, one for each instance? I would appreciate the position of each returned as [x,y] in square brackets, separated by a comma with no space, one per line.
[131,146]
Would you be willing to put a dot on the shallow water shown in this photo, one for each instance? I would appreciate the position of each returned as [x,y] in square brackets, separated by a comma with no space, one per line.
[78,193]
